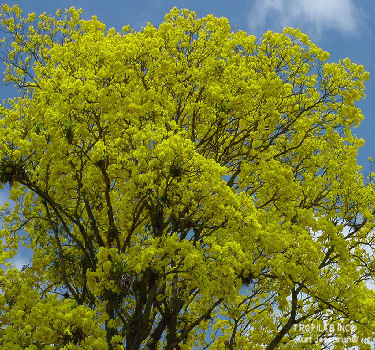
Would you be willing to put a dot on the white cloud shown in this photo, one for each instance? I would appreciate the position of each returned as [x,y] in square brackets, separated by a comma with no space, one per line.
[311,16]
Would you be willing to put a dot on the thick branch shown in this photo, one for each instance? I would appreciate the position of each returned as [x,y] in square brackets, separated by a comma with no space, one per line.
[291,321]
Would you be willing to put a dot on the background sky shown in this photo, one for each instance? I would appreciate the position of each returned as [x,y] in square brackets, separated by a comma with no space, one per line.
[344,28]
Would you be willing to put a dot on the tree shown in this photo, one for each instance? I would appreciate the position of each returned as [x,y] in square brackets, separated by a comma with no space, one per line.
[181,187]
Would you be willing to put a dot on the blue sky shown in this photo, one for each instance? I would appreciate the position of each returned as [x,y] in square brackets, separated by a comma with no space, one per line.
[344,28]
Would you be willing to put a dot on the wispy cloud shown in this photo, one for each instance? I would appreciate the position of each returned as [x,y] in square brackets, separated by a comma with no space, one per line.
[314,17]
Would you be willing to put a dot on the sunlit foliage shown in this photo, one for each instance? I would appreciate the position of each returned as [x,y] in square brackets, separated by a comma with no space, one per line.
[181,187]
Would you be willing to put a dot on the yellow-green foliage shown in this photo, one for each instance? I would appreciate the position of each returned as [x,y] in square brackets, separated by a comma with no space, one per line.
[181,186]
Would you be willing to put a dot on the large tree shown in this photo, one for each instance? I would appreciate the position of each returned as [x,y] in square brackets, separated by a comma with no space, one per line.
[181,187]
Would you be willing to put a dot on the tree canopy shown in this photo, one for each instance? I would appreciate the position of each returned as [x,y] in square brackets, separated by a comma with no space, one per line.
[181,187]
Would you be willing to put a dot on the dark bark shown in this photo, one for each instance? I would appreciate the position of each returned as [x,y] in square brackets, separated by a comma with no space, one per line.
[291,321]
